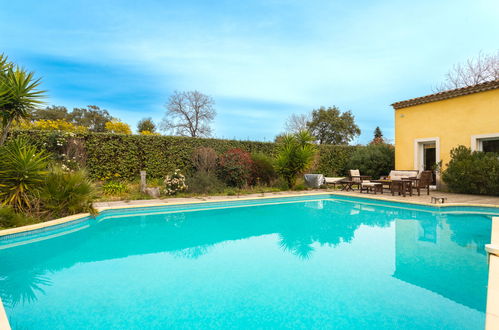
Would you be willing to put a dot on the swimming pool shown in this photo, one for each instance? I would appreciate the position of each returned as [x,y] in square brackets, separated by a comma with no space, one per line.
[320,261]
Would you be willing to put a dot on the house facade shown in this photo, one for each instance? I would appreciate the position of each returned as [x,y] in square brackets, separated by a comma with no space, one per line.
[427,128]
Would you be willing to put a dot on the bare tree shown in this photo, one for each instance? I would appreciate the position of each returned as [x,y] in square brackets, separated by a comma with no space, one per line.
[483,68]
[297,123]
[189,114]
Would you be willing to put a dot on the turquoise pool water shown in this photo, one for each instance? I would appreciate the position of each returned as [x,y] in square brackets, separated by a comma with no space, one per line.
[309,262]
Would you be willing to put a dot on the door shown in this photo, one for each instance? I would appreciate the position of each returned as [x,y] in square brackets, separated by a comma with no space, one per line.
[430,159]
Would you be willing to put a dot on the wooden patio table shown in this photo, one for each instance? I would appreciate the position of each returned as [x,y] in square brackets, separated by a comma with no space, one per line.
[399,186]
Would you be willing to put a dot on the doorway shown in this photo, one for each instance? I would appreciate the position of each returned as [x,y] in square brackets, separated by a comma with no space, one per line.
[427,155]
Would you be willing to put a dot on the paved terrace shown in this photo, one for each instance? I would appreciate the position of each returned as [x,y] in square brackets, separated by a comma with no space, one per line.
[451,198]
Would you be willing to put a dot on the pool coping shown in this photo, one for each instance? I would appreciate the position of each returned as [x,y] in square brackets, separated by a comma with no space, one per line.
[70,218]
[4,321]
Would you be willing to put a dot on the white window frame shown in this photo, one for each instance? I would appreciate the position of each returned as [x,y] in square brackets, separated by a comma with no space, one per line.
[418,151]
[476,140]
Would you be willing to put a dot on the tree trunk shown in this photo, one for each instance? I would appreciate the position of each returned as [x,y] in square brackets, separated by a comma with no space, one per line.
[5,132]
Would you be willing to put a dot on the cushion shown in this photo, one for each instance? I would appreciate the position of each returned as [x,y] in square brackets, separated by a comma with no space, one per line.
[354,173]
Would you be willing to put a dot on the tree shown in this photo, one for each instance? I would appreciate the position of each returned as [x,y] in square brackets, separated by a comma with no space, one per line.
[19,94]
[295,155]
[146,125]
[483,68]
[92,117]
[378,136]
[118,127]
[374,160]
[53,112]
[189,114]
[297,123]
[330,126]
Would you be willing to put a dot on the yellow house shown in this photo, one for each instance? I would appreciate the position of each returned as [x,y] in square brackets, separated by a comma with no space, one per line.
[428,127]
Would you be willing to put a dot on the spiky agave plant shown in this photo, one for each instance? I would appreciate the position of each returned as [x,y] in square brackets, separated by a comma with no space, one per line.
[22,173]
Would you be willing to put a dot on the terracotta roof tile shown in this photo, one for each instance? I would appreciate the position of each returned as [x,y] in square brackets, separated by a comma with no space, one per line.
[448,94]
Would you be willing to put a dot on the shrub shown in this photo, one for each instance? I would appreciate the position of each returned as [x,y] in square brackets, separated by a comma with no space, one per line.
[234,167]
[67,193]
[472,172]
[262,171]
[53,125]
[296,153]
[10,218]
[175,183]
[22,172]
[204,159]
[118,127]
[114,188]
[204,183]
[374,160]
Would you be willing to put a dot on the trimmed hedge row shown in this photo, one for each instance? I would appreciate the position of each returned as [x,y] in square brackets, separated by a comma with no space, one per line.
[109,155]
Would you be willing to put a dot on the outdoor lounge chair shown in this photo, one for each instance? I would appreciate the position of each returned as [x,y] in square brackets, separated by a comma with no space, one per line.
[333,180]
[364,183]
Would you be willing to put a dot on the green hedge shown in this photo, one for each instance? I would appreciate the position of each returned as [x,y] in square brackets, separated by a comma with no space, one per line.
[115,155]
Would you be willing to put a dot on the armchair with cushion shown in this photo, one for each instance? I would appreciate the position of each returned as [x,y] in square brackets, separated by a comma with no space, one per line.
[423,180]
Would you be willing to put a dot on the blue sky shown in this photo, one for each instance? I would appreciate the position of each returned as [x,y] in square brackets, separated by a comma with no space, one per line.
[260,60]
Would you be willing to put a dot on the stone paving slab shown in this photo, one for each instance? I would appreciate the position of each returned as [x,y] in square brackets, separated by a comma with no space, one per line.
[424,198]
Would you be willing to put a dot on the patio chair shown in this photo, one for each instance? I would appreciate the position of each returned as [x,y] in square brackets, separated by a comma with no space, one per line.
[424,180]
[358,179]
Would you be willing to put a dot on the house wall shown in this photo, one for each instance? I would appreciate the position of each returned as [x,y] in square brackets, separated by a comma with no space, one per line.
[453,121]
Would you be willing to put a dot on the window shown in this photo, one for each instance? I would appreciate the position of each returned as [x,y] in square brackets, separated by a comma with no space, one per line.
[485,142]
[490,145]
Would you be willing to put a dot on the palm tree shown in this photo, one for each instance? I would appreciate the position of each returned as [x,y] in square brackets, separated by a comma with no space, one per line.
[296,154]
[19,94]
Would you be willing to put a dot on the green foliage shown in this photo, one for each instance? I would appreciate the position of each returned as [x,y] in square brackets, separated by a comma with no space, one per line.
[53,112]
[374,160]
[262,171]
[378,136]
[333,160]
[296,153]
[204,183]
[19,94]
[472,172]
[111,156]
[175,183]
[234,167]
[22,172]
[10,218]
[92,117]
[66,193]
[114,188]
[330,126]
[146,124]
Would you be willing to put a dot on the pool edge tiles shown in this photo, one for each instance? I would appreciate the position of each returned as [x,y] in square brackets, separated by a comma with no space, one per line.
[52,224]
[4,321]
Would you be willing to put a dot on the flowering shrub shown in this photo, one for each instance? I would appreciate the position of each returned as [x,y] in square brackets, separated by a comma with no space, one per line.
[53,125]
[234,167]
[118,127]
[175,183]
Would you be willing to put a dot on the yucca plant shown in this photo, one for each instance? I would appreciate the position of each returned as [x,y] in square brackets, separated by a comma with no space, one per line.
[66,193]
[296,154]
[19,94]
[22,173]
